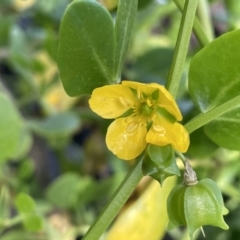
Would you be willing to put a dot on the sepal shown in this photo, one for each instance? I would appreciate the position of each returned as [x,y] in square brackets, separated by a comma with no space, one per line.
[195,206]
[160,163]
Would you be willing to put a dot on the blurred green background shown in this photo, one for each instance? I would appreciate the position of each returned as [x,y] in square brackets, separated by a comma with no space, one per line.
[56,173]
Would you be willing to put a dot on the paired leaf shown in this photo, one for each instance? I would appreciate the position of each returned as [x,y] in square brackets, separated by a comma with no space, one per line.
[86,47]
[26,207]
[91,50]
[33,223]
[214,79]
[24,203]
[160,163]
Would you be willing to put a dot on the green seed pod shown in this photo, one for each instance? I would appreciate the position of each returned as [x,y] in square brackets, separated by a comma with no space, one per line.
[196,205]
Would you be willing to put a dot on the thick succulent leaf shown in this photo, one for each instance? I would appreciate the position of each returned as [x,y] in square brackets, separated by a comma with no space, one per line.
[160,163]
[214,79]
[86,48]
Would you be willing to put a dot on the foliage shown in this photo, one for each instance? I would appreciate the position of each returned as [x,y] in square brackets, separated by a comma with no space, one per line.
[57,176]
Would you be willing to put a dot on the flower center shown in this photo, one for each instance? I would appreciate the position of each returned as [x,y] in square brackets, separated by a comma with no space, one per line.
[145,108]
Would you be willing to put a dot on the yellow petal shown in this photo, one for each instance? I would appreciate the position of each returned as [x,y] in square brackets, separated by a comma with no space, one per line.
[165,98]
[145,88]
[167,101]
[163,132]
[126,139]
[111,101]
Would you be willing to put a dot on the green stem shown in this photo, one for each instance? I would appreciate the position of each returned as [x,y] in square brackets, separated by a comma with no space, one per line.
[205,118]
[7,223]
[197,29]
[205,18]
[116,202]
[181,156]
[181,48]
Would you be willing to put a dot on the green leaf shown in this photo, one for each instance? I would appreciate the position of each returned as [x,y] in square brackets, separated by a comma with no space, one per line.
[33,222]
[160,163]
[6,22]
[19,55]
[201,146]
[95,191]
[63,191]
[144,3]
[24,143]
[10,127]
[26,169]
[124,31]
[153,65]
[24,203]
[86,47]
[214,79]
[58,125]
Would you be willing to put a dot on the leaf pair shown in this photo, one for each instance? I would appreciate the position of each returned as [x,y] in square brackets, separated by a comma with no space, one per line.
[91,49]
[26,207]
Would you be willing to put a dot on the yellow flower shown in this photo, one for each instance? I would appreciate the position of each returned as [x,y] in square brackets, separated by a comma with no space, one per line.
[145,113]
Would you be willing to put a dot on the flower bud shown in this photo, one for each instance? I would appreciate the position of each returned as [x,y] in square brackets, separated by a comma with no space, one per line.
[160,163]
[196,205]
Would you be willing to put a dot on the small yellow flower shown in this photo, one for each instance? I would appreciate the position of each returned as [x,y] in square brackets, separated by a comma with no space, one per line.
[145,113]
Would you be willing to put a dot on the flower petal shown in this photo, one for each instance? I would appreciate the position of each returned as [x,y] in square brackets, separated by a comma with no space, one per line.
[126,139]
[112,101]
[166,100]
[163,132]
[145,88]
